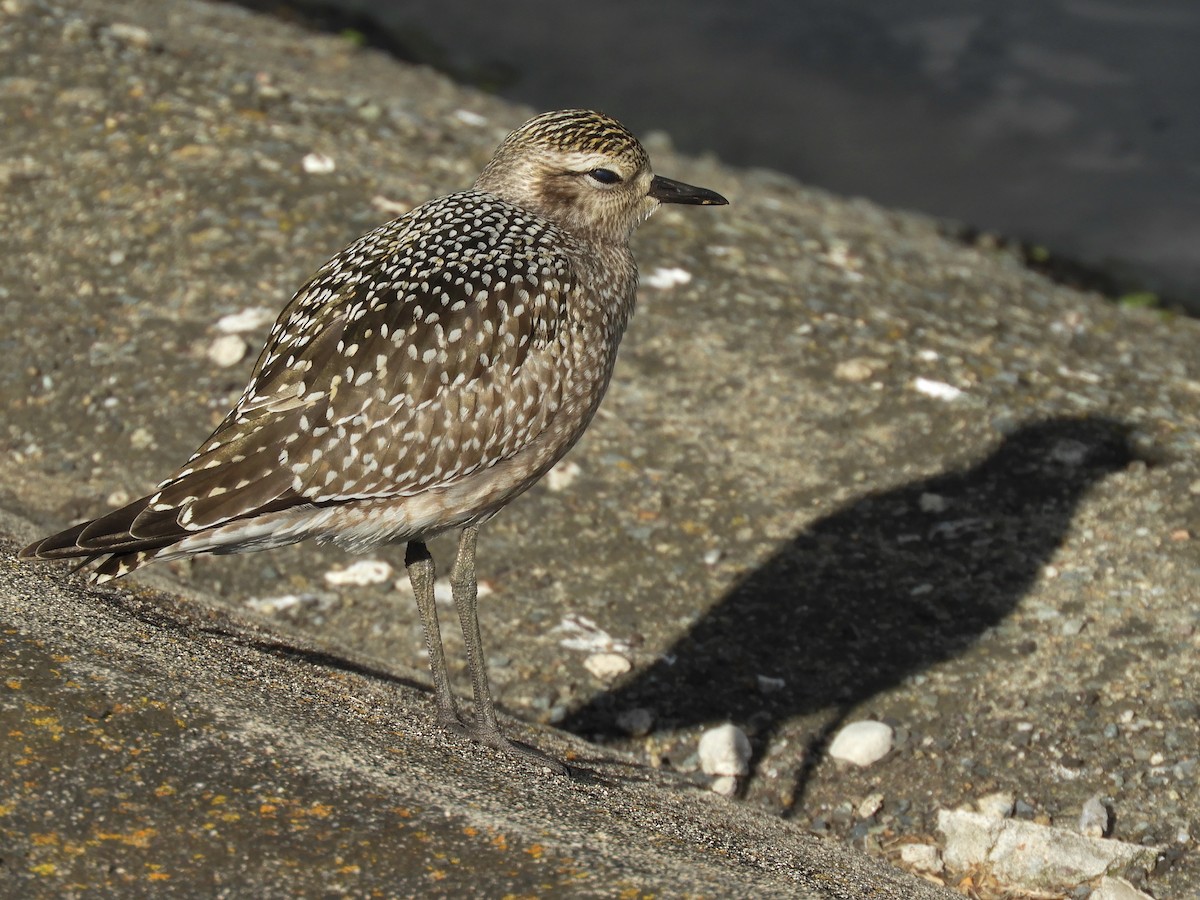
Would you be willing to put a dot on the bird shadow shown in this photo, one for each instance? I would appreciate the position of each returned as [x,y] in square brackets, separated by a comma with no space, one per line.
[885,587]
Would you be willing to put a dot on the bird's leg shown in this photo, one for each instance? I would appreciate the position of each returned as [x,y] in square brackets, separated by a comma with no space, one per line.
[465,587]
[419,563]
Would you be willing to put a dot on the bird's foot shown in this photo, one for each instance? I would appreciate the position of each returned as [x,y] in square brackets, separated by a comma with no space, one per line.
[491,737]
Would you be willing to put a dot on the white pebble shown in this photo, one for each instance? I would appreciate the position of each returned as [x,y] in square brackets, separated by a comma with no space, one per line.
[562,476]
[870,805]
[857,369]
[725,785]
[131,34]
[470,118]
[921,857]
[607,666]
[318,164]
[666,278]
[1094,819]
[249,319]
[862,743]
[725,750]
[712,557]
[362,572]
[141,438]
[227,350]
[936,389]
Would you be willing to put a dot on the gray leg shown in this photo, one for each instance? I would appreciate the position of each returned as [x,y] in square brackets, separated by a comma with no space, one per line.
[421,573]
[465,586]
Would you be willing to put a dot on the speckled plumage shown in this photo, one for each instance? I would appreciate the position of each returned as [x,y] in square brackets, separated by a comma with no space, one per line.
[428,373]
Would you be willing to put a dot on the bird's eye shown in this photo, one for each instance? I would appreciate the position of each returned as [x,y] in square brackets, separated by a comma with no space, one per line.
[605,176]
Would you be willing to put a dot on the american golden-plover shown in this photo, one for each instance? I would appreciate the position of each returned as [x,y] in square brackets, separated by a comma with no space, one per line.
[427,375]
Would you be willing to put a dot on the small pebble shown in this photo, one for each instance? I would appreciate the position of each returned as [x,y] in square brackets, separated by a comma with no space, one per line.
[361,572]
[563,475]
[1073,626]
[712,557]
[467,117]
[870,805]
[227,350]
[277,604]
[141,438]
[636,722]
[134,35]
[933,503]
[1094,820]
[857,369]
[862,743]
[318,164]
[607,666]
[769,685]
[725,750]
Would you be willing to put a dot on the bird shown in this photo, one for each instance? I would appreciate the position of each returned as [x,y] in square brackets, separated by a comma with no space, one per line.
[423,378]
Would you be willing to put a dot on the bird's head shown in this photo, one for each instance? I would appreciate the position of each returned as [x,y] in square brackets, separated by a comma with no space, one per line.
[586,172]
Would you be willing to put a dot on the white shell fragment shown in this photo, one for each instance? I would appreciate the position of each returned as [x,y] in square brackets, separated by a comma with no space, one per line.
[584,634]
[249,319]
[725,750]
[862,743]
[467,117]
[276,604]
[939,390]
[318,164]
[666,278]
[361,572]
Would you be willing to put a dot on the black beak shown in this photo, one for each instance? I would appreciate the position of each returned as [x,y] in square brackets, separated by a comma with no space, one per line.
[664,190]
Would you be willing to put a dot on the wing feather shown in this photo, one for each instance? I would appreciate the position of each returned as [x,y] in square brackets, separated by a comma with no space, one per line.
[406,363]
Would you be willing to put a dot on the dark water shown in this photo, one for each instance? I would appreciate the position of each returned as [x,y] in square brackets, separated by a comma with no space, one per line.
[1073,124]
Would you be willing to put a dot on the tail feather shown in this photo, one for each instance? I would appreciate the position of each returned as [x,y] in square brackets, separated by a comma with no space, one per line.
[128,538]
[63,545]
[108,539]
